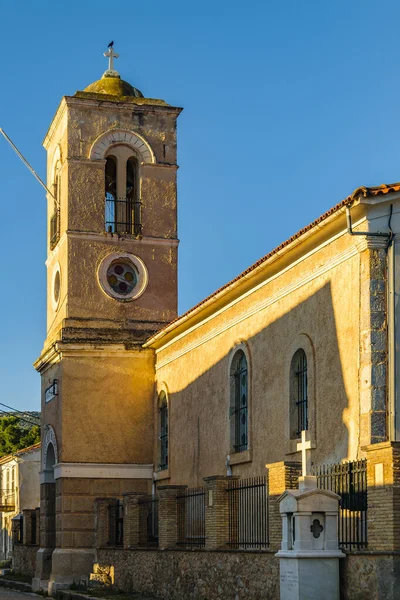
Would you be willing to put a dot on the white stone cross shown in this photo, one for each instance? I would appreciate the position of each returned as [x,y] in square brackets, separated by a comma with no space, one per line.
[302,447]
[110,54]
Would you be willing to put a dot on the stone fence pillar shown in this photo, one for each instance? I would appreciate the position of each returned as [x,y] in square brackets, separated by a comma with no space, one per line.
[282,476]
[383,480]
[102,521]
[131,519]
[168,515]
[28,521]
[217,517]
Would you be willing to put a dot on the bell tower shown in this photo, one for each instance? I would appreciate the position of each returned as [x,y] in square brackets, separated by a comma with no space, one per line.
[111,283]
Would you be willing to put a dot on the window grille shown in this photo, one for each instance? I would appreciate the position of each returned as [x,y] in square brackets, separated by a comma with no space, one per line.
[192,518]
[301,391]
[163,431]
[123,215]
[248,513]
[349,481]
[240,401]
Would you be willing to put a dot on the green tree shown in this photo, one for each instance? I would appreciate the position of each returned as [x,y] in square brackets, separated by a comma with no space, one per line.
[14,437]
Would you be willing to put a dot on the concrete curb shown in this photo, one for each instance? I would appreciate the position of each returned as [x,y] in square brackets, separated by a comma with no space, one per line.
[16,585]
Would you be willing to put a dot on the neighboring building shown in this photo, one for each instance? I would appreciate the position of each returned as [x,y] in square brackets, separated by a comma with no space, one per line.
[20,490]
[306,339]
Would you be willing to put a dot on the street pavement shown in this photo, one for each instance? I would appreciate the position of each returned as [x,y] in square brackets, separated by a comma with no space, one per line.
[6,594]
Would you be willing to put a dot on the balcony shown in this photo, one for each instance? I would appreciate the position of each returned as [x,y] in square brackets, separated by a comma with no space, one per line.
[7,501]
[123,216]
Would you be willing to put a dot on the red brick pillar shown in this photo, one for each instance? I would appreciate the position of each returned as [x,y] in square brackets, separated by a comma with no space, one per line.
[281,476]
[383,480]
[168,515]
[217,517]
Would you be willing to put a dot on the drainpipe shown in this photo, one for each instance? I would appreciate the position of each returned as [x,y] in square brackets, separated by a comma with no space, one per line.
[390,315]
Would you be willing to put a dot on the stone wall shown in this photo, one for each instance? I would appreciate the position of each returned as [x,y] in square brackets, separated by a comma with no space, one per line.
[24,559]
[370,576]
[195,575]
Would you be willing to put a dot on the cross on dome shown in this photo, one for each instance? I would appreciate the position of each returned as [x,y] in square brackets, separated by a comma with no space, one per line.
[110,54]
[302,447]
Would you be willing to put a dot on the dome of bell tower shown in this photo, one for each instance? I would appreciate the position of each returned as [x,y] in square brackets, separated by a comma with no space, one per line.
[113,85]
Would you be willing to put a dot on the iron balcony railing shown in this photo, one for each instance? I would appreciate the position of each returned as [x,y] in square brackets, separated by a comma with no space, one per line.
[349,481]
[54,229]
[123,215]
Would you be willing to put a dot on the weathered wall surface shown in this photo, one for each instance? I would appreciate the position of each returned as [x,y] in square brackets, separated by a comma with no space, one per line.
[300,305]
[179,575]
[24,559]
[370,577]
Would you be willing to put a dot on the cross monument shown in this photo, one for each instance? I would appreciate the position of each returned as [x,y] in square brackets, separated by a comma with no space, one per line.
[110,54]
[302,447]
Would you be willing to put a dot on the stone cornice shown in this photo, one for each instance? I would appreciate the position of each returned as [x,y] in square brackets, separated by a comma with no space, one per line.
[371,242]
[55,122]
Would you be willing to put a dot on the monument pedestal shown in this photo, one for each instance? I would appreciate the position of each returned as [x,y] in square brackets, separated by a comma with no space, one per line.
[309,555]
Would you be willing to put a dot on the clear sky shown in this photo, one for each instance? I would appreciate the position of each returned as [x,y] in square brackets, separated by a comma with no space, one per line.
[289,106]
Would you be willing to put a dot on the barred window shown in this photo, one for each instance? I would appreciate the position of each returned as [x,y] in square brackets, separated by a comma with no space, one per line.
[298,394]
[239,402]
[163,431]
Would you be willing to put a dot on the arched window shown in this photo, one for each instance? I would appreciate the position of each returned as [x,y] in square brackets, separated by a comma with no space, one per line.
[163,431]
[111,194]
[123,206]
[55,218]
[239,402]
[298,394]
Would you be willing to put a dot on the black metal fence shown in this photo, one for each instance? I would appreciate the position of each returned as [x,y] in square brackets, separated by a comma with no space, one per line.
[148,522]
[116,523]
[349,481]
[248,513]
[192,518]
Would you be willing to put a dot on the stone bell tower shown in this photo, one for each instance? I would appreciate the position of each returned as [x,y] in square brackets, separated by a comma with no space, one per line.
[111,282]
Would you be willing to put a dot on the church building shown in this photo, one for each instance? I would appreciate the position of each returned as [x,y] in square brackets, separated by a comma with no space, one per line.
[136,399]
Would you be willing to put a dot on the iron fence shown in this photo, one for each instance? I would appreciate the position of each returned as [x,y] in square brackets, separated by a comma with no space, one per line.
[349,481]
[192,518]
[248,513]
[116,523]
[148,521]
[123,215]
[33,527]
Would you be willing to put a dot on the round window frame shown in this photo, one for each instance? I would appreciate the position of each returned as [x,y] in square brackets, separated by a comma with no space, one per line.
[57,271]
[139,267]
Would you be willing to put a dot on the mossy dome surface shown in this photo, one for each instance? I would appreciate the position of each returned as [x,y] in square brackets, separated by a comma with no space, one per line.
[113,86]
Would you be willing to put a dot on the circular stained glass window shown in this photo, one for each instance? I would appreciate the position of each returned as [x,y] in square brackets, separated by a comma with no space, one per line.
[122,277]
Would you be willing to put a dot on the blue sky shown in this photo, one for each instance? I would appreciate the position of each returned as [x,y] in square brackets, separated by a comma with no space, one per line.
[289,106]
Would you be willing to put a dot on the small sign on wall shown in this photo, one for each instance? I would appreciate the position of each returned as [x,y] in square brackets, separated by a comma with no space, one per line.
[51,392]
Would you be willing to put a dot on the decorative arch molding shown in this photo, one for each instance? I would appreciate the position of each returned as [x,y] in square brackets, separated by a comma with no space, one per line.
[50,438]
[121,136]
